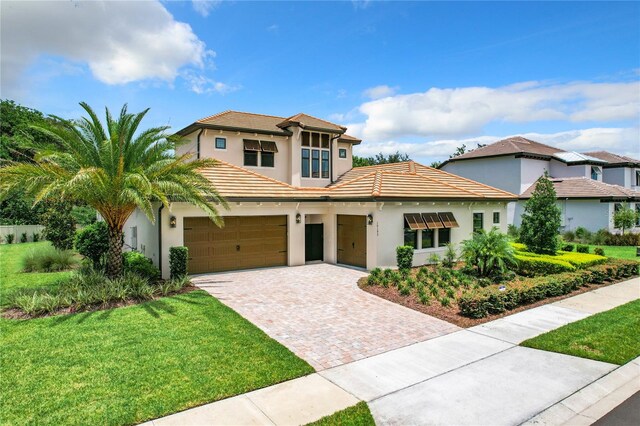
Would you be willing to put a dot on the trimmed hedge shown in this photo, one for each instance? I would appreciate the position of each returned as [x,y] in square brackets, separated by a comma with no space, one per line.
[482,302]
[531,264]
[178,260]
[404,256]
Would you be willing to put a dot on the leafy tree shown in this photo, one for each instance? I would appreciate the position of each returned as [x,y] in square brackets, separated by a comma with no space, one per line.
[625,218]
[541,219]
[84,215]
[93,242]
[435,164]
[59,225]
[463,149]
[17,209]
[114,169]
[489,252]
[380,159]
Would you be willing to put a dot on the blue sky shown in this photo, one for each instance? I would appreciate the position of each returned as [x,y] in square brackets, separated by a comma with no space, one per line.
[417,77]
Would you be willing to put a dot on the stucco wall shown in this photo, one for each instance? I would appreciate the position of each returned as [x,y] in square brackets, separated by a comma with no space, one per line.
[499,172]
[590,214]
[558,169]
[531,170]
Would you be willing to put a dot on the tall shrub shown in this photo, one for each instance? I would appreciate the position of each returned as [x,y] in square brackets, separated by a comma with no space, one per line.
[489,253]
[625,218]
[404,256]
[59,226]
[541,219]
[93,242]
[178,258]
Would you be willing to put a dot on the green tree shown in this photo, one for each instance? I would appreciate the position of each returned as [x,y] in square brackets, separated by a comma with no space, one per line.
[462,149]
[380,158]
[625,218]
[114,169]
[59,225]
[541,219]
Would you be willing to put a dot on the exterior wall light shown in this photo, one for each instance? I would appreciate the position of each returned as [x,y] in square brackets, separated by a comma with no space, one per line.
[298,218]
[173,222]
[370,219]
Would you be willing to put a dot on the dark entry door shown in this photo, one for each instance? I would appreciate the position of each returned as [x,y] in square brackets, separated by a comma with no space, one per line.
[313,242]
[352,240]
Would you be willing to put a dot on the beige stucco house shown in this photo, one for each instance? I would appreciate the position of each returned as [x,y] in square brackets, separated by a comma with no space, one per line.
[294,198]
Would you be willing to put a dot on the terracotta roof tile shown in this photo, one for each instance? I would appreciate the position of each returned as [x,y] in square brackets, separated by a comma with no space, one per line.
[305,120]
[584,187]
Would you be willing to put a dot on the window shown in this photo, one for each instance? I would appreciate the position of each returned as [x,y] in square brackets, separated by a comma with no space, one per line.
[410,238]
[305,162]
[637,177]
[617,207]
[478,222]
[325,164]
[251,149]
[305,138]
[315,140]
[427,239]
[342,153]
[221,143]
[496,218]
[324,141]
[267,159]
[444,236]
[595,172]
[315,163]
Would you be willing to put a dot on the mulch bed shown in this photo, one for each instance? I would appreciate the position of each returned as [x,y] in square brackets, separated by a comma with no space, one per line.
[17,314]
[451,314]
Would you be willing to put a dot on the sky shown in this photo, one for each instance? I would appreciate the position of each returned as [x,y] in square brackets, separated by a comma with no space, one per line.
[418,77]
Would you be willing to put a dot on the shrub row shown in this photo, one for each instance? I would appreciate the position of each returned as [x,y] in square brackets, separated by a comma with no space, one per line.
[479,303]
[542,265]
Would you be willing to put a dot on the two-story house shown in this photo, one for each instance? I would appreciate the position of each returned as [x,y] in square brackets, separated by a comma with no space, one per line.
[590,186]
[294,198]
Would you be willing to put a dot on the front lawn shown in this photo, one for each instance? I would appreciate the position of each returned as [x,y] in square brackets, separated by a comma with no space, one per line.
[610,336]
[130,364]
[620,252]
[358,415]
[11,264]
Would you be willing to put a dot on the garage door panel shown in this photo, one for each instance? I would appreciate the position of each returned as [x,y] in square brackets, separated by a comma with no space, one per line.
[262,241]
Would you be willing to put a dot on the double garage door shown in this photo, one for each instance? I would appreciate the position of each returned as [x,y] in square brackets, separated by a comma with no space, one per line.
[244,242]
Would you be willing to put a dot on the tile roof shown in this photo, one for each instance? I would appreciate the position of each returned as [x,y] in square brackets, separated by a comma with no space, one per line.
[399,181]
[514,145]
[267,123]
[612,158]
[583,187]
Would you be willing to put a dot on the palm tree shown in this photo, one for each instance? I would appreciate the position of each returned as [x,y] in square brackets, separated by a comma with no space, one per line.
[114,170]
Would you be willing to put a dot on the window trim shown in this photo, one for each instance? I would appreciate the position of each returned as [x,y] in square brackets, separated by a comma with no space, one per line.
[324,172]
[493,218]
[268,154]
[215,144]
[637,177]
[473,221]
[340,152]
[315,163]
[250,152]
[597,171]
[305,160]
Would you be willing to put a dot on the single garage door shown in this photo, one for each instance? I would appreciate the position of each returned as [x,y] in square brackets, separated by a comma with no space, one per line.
[244,242]
[352,240]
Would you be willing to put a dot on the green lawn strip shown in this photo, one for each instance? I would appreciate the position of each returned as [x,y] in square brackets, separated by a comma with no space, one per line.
[620,252]
[11,277]
[127,365]
[610,336]
[358,415]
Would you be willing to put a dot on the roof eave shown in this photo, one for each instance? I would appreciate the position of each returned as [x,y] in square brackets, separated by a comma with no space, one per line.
[192,127]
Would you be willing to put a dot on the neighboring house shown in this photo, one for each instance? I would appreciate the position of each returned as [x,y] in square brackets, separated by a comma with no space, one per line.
[294,198]
[590,186]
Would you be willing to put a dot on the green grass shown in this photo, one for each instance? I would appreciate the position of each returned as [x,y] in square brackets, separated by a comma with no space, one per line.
[127,365]
[610,336]
[11,279]
[620,252]
[358,415]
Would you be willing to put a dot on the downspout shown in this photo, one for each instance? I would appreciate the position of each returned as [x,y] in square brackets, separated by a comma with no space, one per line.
[160,237]
[198,144]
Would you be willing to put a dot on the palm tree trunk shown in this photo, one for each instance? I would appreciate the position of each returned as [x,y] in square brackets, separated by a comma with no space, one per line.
[114,254]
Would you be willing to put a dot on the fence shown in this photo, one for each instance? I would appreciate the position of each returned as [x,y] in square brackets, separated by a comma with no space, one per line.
[18,230]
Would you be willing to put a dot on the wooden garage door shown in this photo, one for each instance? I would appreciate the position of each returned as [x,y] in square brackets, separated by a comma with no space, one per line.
[352,240]
[244,242]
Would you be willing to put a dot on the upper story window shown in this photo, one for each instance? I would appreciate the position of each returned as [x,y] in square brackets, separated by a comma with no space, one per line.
[316,161]
[478,222]
[637,177]
[496,218]
[259,153]
[221,143]
[342,153]
[595,172]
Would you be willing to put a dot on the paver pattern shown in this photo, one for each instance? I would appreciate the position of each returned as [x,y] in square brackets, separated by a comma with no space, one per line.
[320,314]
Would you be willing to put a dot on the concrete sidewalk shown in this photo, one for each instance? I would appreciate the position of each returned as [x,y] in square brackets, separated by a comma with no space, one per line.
[474,376]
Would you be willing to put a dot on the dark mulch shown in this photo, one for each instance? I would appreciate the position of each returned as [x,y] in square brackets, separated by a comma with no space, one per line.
[452,313]
[17,314]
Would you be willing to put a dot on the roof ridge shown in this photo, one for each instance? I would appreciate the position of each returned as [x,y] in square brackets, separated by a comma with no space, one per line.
[378,165]
[313,116]
[240,112]
[469,180]
[377,184]
[341,184]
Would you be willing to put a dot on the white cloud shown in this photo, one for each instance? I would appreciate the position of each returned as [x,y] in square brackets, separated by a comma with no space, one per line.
[273,28]
[381,91]
[204,7]
[620,140]
[200,84]
[120,42]
[459,111]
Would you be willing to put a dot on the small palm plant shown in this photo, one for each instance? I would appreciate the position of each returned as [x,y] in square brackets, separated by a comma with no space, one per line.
[489,252]
[114,169]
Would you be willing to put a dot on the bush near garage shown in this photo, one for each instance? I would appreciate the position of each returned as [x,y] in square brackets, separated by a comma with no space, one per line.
[178,261]
[137,263]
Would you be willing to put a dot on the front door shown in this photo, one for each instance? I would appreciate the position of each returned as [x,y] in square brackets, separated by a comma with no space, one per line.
[313,242]
[352,240]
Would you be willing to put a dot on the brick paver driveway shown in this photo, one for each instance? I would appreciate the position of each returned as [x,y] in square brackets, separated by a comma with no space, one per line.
[320,314]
